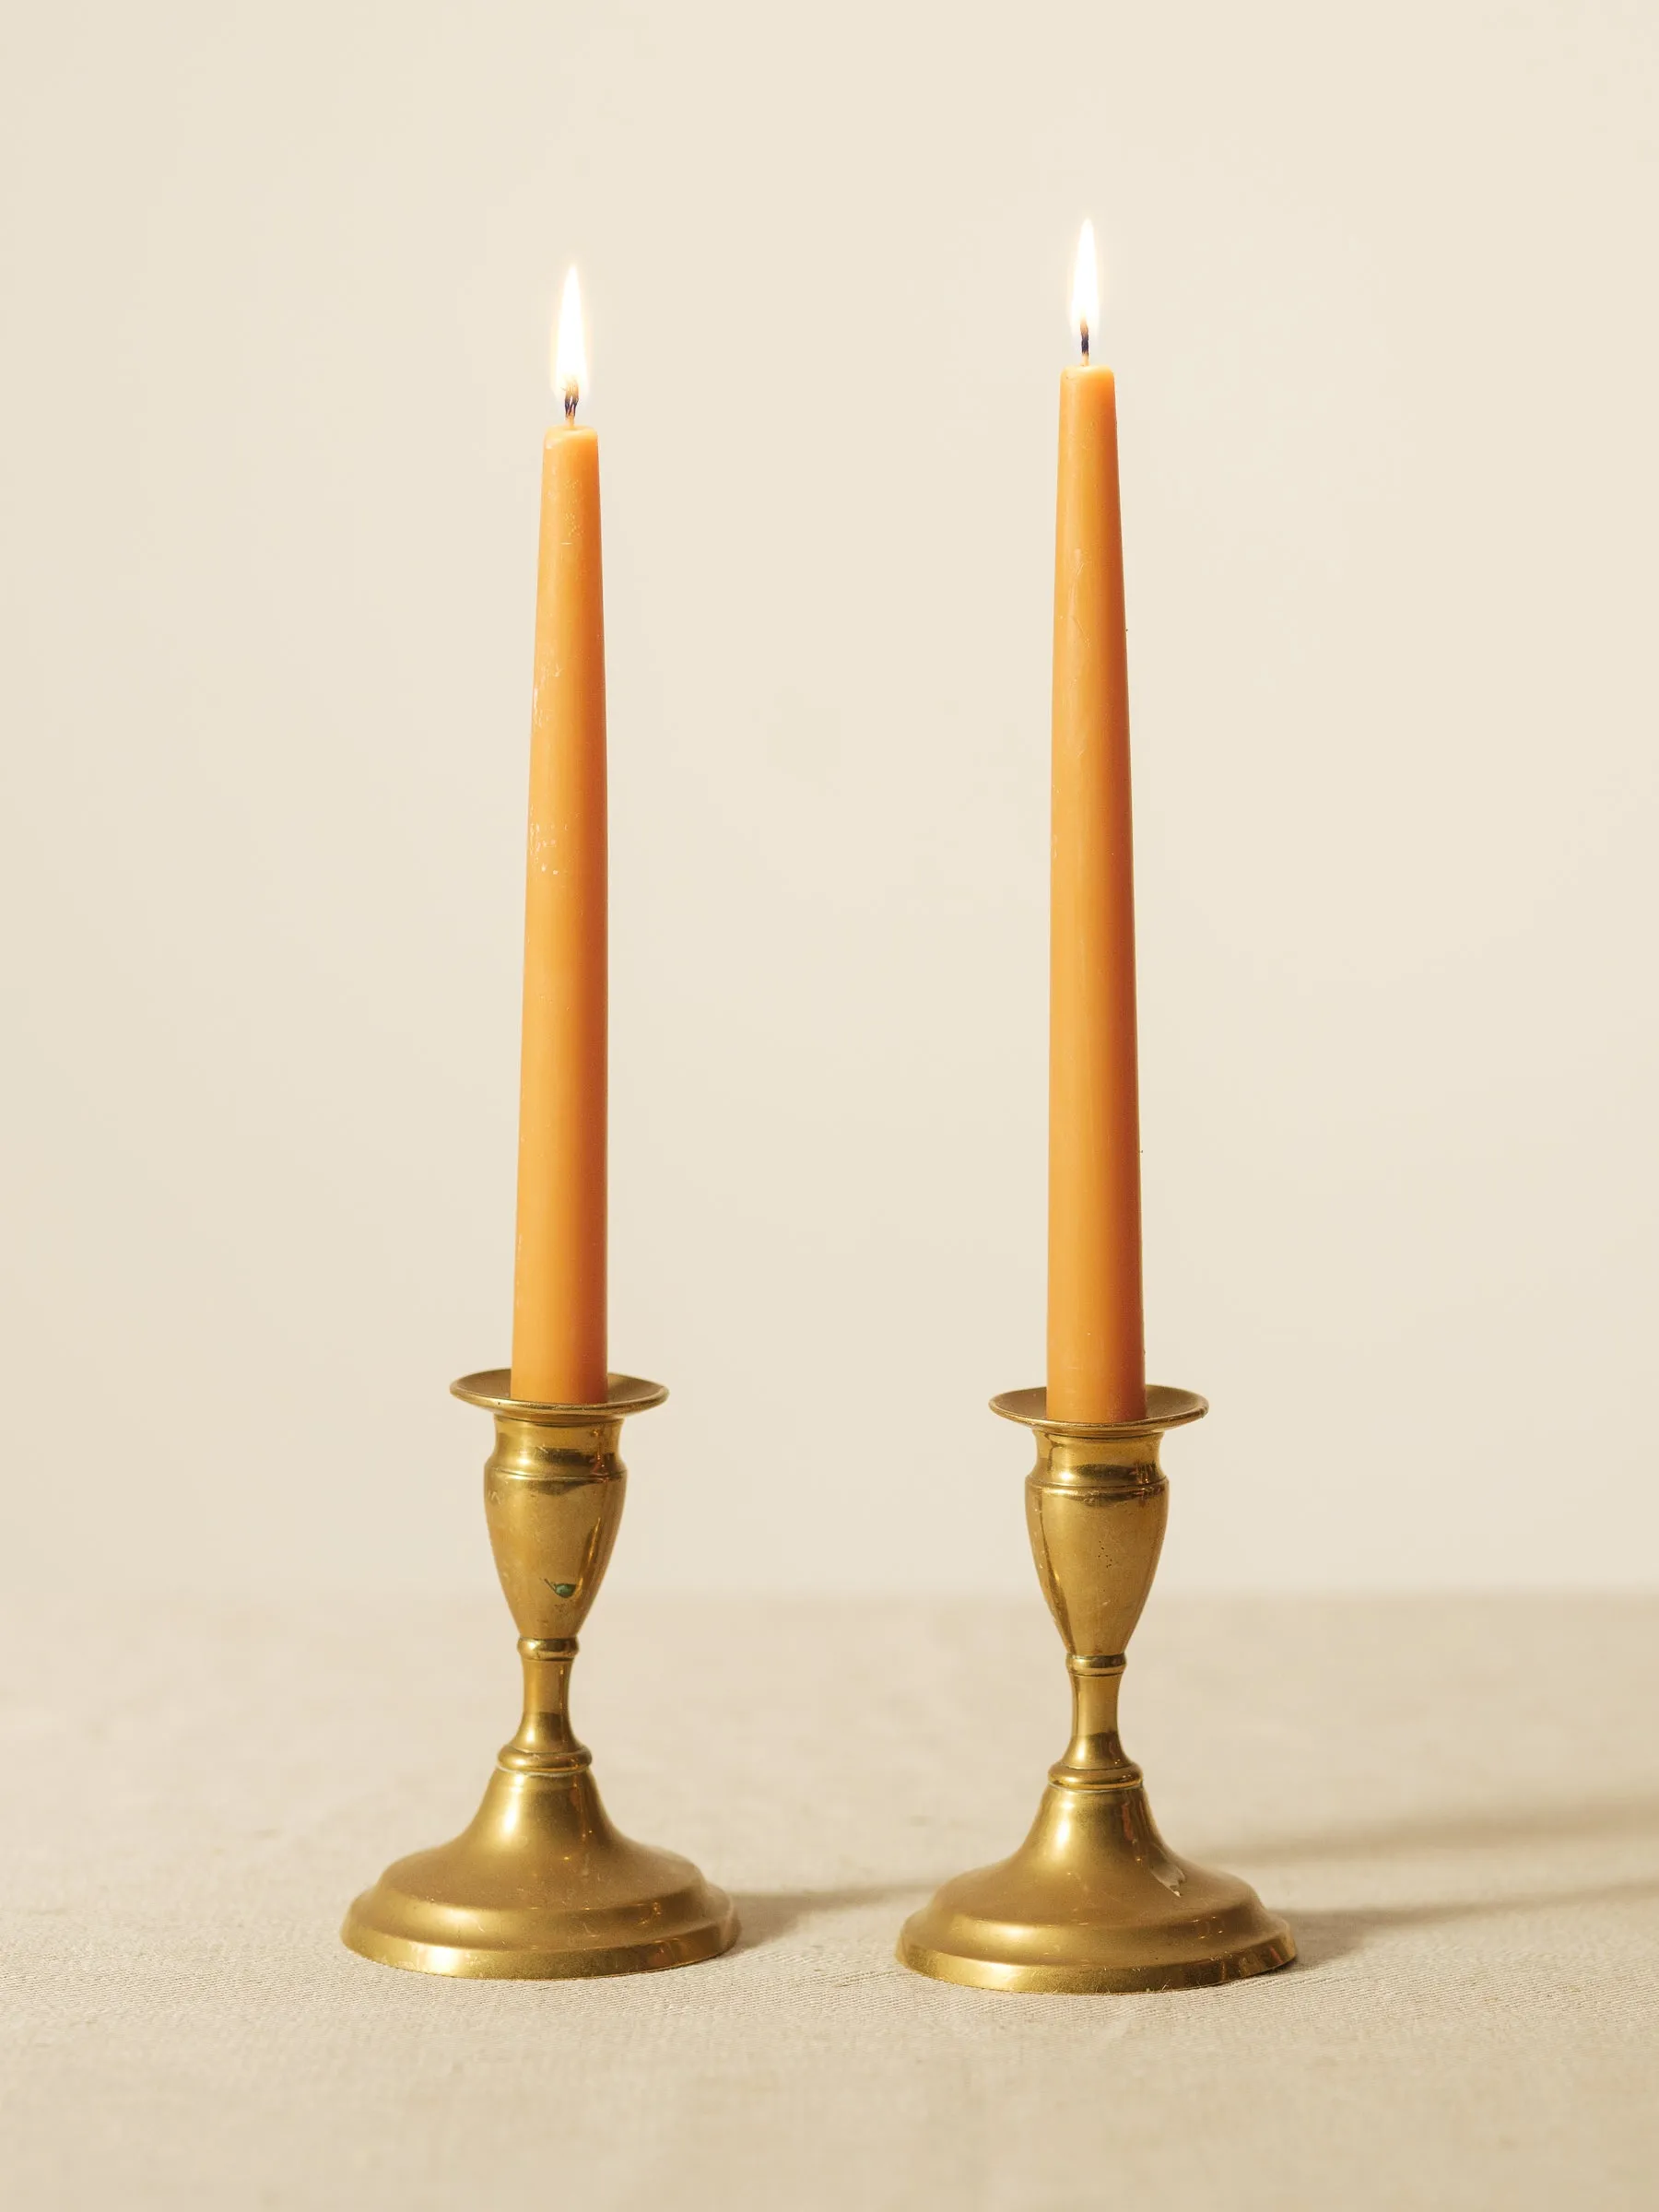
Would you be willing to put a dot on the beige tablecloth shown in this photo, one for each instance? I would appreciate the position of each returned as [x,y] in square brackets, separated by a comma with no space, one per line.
[1456,1800]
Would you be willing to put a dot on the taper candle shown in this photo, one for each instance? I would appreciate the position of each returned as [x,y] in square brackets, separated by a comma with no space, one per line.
[1096,1351]
[558,1306]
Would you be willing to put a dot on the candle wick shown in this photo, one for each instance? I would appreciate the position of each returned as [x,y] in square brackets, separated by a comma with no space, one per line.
[1084,327]
[571,399]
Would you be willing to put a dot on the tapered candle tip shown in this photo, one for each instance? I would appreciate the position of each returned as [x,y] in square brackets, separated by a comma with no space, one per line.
[569,354]
[1085,288]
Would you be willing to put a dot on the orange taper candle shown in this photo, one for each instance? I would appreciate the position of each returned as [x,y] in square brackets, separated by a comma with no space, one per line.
[1096,1355]
[559,1276]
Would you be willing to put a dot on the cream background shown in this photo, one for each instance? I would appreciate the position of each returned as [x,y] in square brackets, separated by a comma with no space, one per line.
[277,287]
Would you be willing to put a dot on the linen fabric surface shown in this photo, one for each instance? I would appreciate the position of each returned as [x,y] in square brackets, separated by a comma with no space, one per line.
[1456,1801]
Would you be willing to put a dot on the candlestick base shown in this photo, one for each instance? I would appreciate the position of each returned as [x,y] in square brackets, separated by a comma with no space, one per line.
[1093,1900]
[541,1885]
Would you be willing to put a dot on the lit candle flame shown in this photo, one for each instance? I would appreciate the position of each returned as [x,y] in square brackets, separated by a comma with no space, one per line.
[569,354]
[1085,288]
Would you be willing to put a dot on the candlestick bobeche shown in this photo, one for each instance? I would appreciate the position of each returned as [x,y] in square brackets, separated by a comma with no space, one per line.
[1093,1899]
[541,1885]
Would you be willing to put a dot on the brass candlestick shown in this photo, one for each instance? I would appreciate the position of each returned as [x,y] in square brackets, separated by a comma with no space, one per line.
[1093,1899]
[541,1885]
